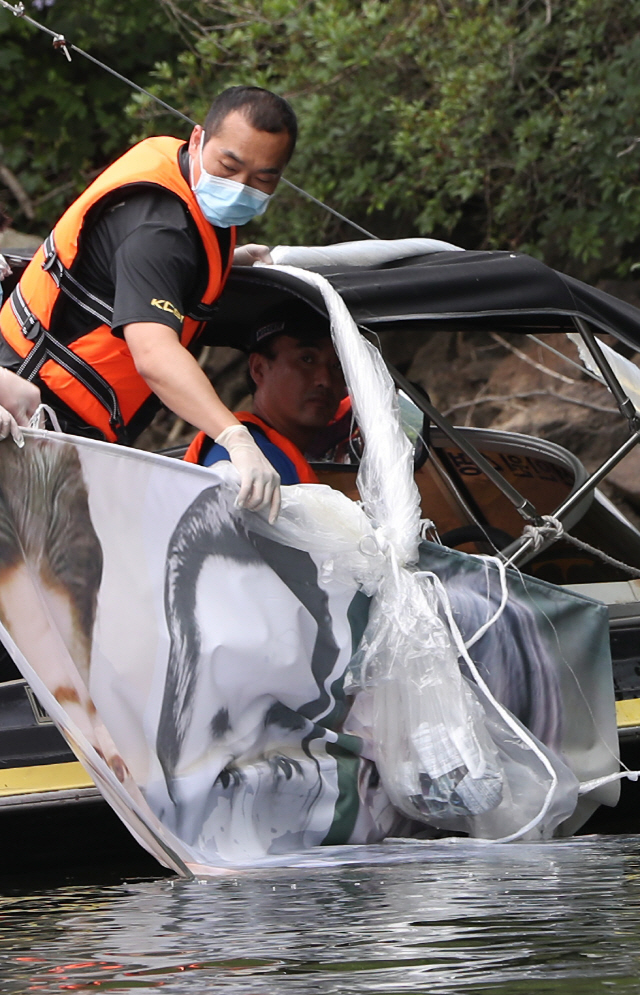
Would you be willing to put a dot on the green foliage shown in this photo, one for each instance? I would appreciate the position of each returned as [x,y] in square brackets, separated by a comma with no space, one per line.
[61,121]
[496,123]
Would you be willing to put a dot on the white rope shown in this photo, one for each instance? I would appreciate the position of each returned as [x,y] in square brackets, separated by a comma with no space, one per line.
[37,418]
[596,782]
[426,527]
[611,560]
[504,597]
[553,529]
[522,734]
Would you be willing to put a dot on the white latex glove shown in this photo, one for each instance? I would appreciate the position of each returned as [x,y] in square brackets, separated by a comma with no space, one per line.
[259,482]
[247,255]
[9,426]
[20,397]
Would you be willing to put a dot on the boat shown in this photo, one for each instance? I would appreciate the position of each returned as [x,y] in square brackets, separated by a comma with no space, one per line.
[480,488]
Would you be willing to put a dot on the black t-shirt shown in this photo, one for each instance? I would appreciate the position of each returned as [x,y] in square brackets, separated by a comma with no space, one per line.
[139,247]
[144,247]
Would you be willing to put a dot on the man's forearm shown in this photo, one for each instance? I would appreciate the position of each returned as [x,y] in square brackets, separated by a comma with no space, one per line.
[175,378]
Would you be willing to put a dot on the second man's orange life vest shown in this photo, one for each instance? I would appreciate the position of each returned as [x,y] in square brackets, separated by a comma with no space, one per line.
[94,374]
[305,474]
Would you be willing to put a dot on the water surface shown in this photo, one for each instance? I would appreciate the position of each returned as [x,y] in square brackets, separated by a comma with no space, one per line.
[445,917]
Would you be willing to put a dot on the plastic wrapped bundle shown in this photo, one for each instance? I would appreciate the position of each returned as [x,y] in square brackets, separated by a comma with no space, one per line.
[434,753]
[448,753]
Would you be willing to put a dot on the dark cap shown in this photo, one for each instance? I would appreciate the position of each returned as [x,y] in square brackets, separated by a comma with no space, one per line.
[293,317]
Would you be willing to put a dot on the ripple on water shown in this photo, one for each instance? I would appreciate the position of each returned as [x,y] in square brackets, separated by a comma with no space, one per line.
[446,917]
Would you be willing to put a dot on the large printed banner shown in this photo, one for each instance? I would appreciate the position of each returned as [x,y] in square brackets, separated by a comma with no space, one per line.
[195,658]
[195,665]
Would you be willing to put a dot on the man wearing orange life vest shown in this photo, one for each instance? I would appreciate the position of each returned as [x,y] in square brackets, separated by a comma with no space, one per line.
[105,317]
[299,390]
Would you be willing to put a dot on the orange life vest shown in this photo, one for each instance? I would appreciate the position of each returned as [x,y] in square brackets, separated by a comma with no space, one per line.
[302,467]
[94,374]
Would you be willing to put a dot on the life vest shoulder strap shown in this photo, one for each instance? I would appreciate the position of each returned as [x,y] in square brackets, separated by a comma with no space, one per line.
[67,283]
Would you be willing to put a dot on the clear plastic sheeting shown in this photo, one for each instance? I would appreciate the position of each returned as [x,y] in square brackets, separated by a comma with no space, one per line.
[543,652]
[626,372]
[374,252]
[385,477]
[449,754]
[432,747]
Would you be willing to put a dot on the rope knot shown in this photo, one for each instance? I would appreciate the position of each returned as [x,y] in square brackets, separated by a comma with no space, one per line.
[548,528]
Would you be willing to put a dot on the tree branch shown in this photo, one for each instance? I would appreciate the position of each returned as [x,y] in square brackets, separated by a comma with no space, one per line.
[13,184]
[527,359]
[500,398]
[69,185]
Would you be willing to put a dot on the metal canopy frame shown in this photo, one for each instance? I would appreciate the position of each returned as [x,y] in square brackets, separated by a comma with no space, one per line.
[519,550]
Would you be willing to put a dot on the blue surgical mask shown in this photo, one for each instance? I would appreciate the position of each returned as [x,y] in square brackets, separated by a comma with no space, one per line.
[226,202]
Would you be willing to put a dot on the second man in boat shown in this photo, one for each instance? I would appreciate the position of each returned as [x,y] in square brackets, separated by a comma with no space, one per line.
[299,390]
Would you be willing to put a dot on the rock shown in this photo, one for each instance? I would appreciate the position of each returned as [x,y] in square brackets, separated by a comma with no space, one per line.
[484,381]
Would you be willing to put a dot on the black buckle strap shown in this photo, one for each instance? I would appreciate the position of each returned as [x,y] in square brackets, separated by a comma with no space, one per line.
[30,367]
[90,379]
[70,286]
[47,347]
[31,327]
[50,255]
[94,305]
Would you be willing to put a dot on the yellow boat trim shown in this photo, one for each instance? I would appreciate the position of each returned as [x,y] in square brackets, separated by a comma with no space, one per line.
[628,713]
[46,777]
[65,777]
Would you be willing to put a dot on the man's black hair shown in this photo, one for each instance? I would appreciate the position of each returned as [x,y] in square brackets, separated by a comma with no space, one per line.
[264,110]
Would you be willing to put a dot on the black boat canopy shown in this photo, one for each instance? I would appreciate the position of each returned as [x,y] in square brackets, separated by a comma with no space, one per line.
[443,290]
[451,291]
